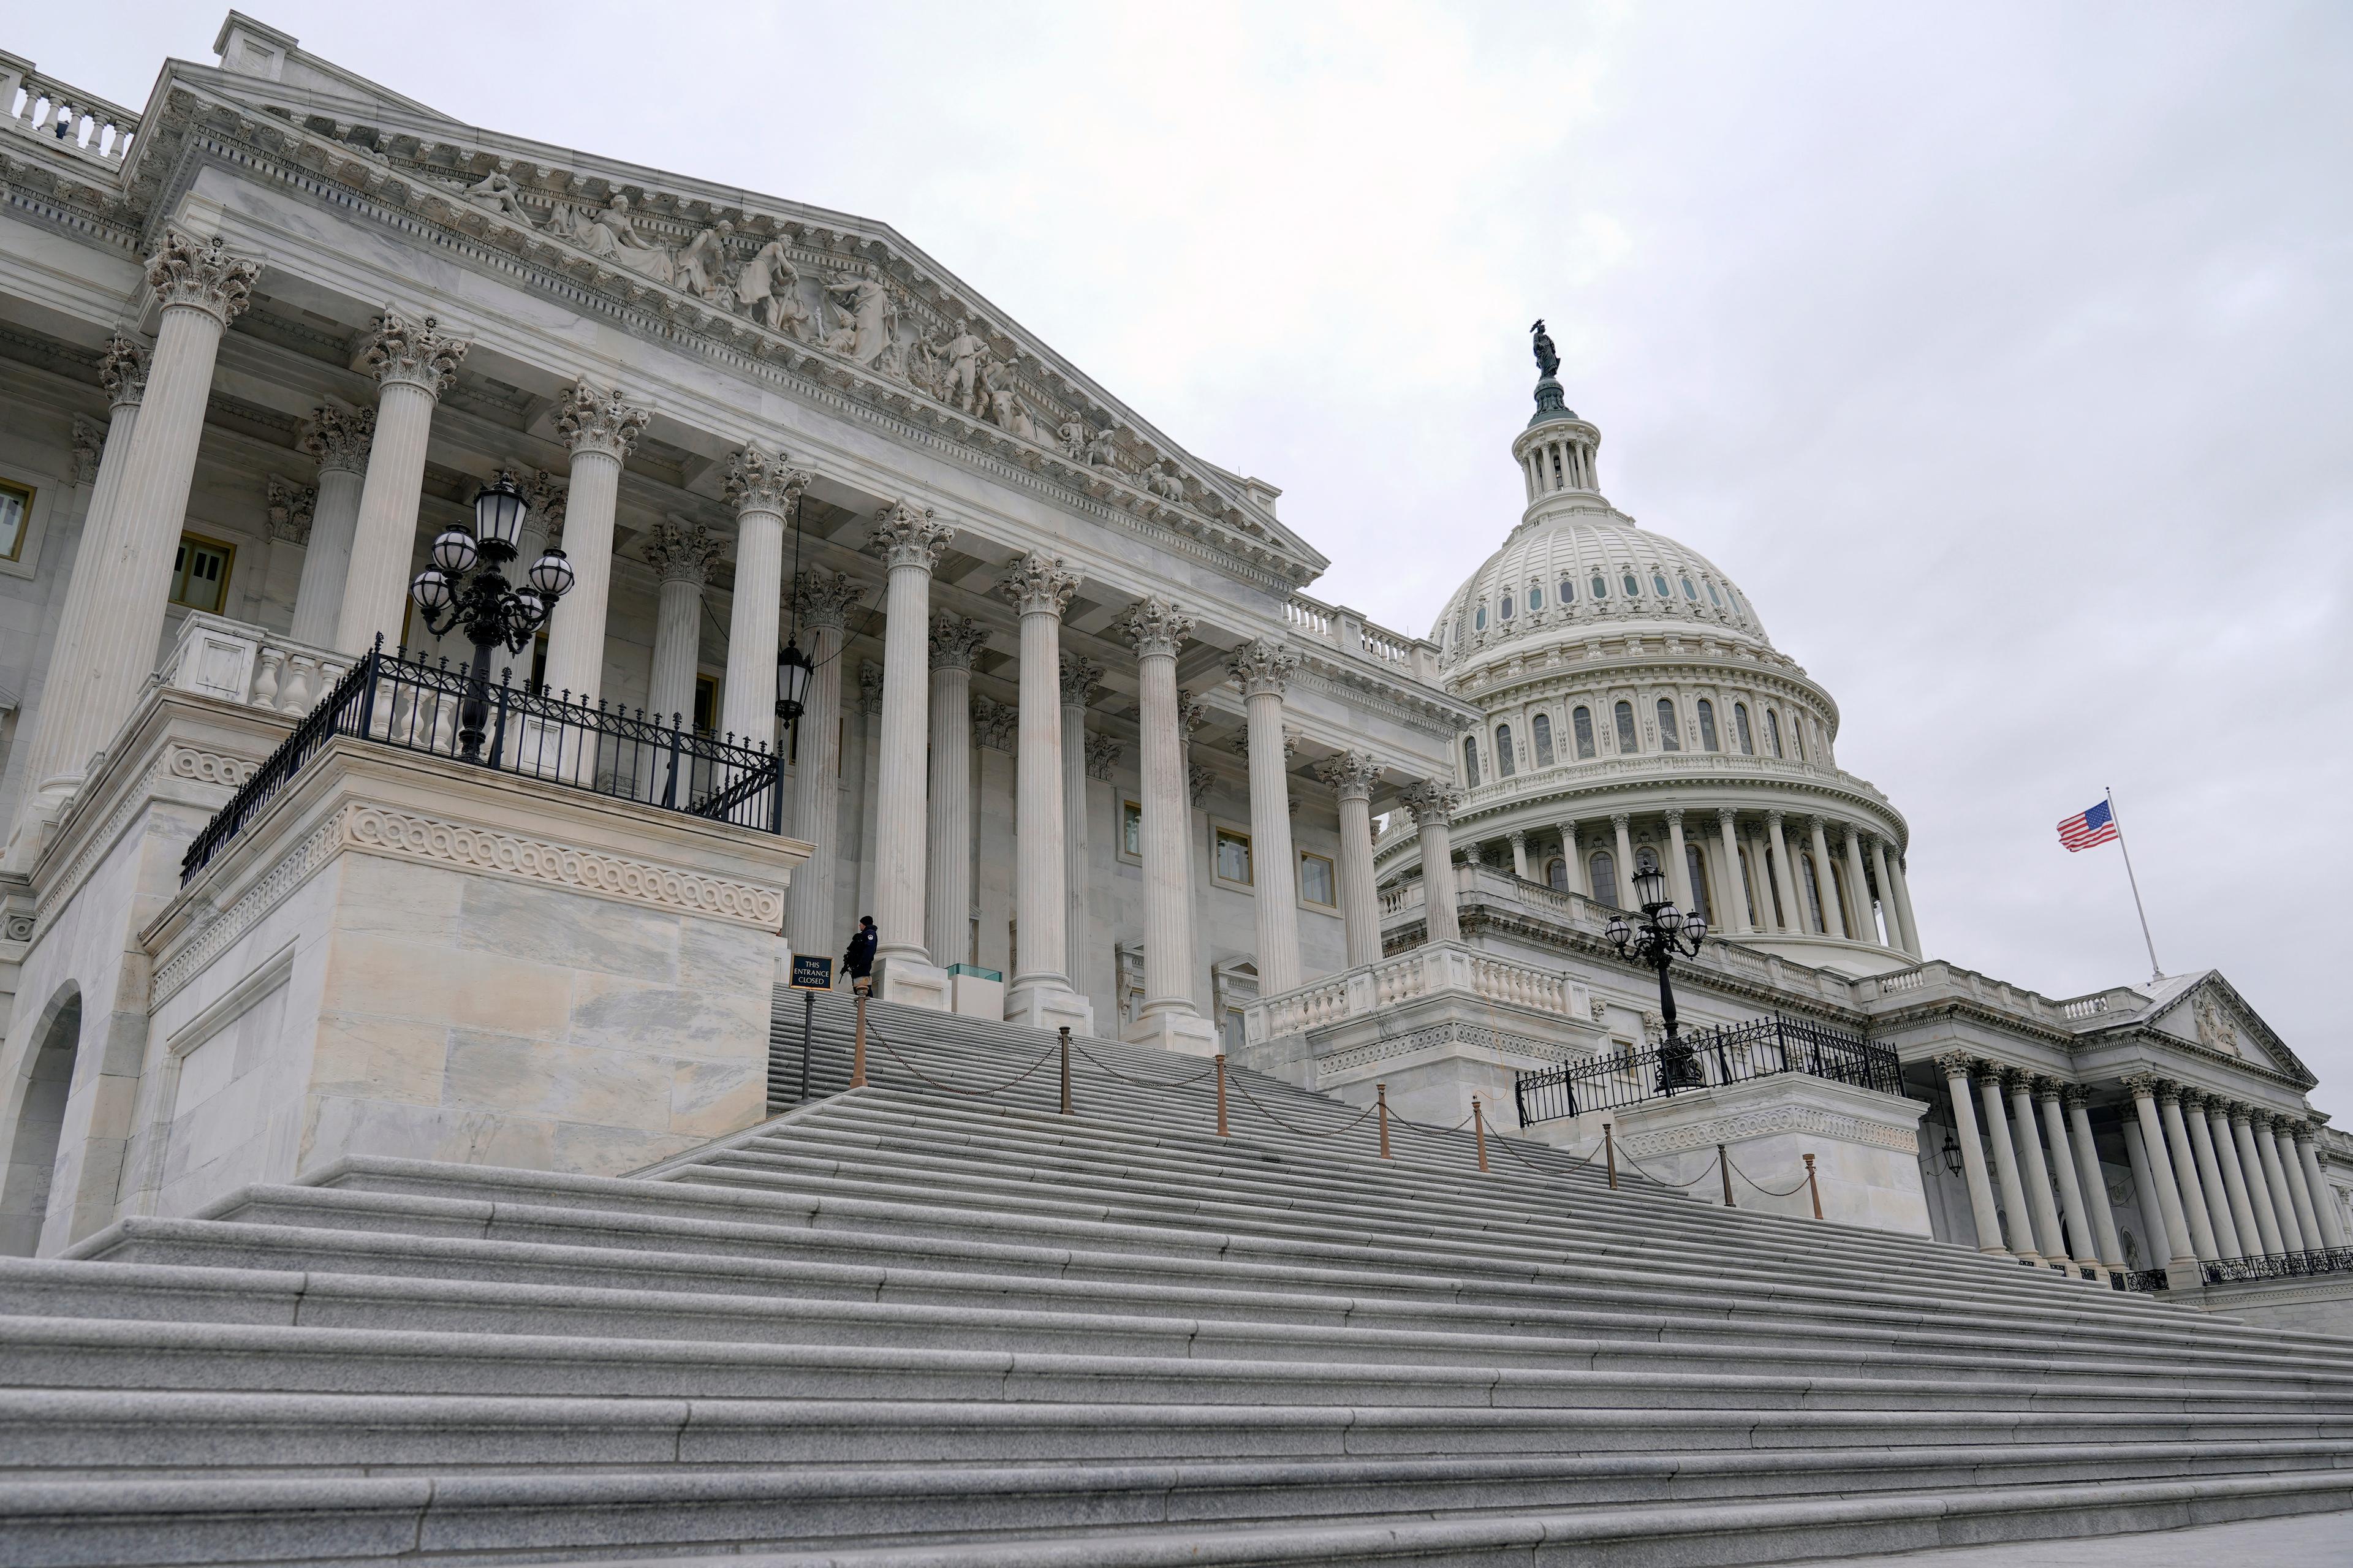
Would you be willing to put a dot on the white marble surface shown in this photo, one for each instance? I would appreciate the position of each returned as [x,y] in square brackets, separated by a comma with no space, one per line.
[2303,1541]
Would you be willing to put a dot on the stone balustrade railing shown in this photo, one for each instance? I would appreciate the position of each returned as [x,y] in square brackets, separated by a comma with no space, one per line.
[1937,978]
[247,664]
[1430,971]
[1338,627]
[80,123]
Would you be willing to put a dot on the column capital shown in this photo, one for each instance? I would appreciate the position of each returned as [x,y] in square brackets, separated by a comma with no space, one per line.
[1957,1065]
[907,535]
[996,725]
[2168,1092]
[2074,1096]
[1038,584]
[955,639]
[2047,1090]
[201,274]
[682,550]
[1431,803]
[822,599]
[870,688]
[2017,1080]
[548,495]
[123,371]
[1816,822]
[2301,1131]
[1261,666]
[1351,774]
[1674,816]
[594,421]
[1082,677]
[2193,1101]
[1191,712]
[1620,818]
[2239,1111]
[290,510]
[405,351]
[1103,756]
[762,482]
[1519,837]
[89,446]
[1775,818]
[1198,777]
[337,439]
[1726,818]
[1154,626]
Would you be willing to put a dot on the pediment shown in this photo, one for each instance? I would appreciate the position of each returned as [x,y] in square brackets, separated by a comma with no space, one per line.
[840,298]
[2211,1014]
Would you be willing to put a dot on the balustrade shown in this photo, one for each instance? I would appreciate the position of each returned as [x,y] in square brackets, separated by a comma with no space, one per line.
[250,664]
[1425,972]
[66,117]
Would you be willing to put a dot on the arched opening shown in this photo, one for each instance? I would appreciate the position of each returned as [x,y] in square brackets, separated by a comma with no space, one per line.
[1603,867]
[1506,759]
[40,1123]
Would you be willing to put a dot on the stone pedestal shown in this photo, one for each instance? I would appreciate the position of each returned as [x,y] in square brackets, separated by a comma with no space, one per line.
[1189,1033]
[912,983]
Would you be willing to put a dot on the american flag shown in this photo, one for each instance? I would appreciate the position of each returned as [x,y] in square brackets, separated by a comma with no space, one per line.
[2086,828]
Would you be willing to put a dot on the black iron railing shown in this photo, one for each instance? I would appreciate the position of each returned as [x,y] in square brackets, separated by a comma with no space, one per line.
[1736,1053]
[2149,1280]
[2281,1266]
[444,711]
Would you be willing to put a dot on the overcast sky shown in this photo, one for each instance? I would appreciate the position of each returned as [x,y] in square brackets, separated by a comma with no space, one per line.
[2000,352]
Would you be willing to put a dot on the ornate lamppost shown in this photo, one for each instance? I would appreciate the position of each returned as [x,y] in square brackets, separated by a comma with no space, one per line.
[1665,934]
[494,613]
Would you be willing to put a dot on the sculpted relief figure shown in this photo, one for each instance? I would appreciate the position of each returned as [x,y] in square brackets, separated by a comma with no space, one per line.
[1075,434]
[1004,409]
[769,287]
[926,365]
[960,383]
[501,195]
[610,235]
[867,313]
[701,266]
[1102,452]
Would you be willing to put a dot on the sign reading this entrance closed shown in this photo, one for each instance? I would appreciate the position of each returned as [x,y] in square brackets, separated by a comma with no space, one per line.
[812,974]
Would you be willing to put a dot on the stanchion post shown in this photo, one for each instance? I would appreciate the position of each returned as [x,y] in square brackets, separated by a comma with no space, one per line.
[1478,1129]
[1609,1154]
[1381,1094]
[1724,1168]
[809,1017]
[1813,1189]
[1066,1070]
[1221,1094]
[857,1050]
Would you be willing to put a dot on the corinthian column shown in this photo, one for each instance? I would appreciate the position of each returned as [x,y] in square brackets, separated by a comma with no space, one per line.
[1678,867]
[2033,1170]
[603,431]
[2307,1213]
[1957,1068]
[2316,1185]
[1167,1016]
[2216,1115]
[1858,890]
[1352,775]
[2184,1161]
[413,364]
[2259,1191]
[909,543]
[59,744]
[1793,908]
[1904,903]
[340,442]
[682,555]
[1079,678]
[2284,1210]
[1040,995]
[1432,804]
[947,896]
[2180,1244]
[1736,885]
[1261,667]
[1826,880]
[1893,921]
[821,602]
[2005,1166]
[202,288]
[766,496]
[2209,1178]
[2078,1102]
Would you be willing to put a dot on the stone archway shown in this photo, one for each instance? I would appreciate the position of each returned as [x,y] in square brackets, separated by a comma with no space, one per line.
[40,1122]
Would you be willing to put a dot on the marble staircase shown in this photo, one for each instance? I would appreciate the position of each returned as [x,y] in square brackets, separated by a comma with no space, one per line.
[906,1324]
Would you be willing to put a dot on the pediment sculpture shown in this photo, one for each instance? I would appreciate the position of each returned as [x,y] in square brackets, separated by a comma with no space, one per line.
[2215,1029]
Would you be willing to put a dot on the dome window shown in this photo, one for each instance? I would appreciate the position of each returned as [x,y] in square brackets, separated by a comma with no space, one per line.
[1707,739]
[1535,596]
[1670,736]
[1627,744]
[1740,730]
[1658,581]
[1689,592]
[1504,610]
[1773,730]
[1601,586]
[1541,728]
[1506,760]
[1470,762]
[1568,590]
[1715,597]
[1478,619]
[1582,723]
[1632,584]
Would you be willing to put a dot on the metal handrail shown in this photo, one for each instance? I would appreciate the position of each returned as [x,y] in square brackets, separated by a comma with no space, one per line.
[1736,1053]
[445,711]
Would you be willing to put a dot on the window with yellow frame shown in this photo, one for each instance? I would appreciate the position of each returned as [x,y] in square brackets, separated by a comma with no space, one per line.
[15,517]
[200,572]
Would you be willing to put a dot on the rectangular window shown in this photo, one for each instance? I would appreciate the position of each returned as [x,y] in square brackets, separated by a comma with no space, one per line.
[200,572]
[1232,858]
[706,704]
[1315,880]
[1541,724]
[1131,829]
[15,517]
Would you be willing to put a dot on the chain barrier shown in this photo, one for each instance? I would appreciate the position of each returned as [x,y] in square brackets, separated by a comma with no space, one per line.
[1767,1192]
[1573,1166]
[1646,1175]
[876,1035]
[1287,1127]
[1143,1082]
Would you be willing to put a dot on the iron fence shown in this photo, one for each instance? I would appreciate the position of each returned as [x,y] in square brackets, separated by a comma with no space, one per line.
[1735,1053]
[444,711]
[2281,1266]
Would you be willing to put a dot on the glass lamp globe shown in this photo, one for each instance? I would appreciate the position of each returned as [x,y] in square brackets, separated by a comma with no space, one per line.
[430,588]
[1650,887]
[552,576]
[499,510]
[793,670]
[1668,918]
[1618,931]
[531,608]
[1694,932]
[454,550]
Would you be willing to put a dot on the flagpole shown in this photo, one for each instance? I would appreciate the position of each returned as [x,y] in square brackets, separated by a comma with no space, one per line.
[2155,974]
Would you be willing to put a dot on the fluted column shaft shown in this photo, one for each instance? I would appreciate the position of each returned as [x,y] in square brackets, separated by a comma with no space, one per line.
[413,364]
[2259,1190]
[2274,1177]
[2081,1232]
[2034,1171]
[340,442]
[60,746]
[2217,1117]
[1793,911]
[1679,865]
[603,431]
[2307,1217]
[1826,880]
[1903,904]
[1860,925]
[1618,823]
[2176,1152]
[2177,1236]
[2005,1166]
[1158,630]
[203,289]
[2210,1181]
[1982,1213]
[1261,667]
[1520,853]
[2095,1184]
[910,543]
[2324,1202]
[1080,676]
[1734,919]
[1353,775]
[809,913]
[766,494]
[1888,917]
[1432,804]
[1039,588]
[947,893]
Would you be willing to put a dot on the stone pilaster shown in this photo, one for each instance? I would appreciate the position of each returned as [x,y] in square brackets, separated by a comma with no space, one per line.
[947,893]
[1168,1015]
[603,431]
[1261,668]
[414,362]
[338,440]
[1040,993]
[909,543]
[1352,775]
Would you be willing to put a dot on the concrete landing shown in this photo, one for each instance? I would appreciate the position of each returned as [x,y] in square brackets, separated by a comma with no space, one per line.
[2301,1540]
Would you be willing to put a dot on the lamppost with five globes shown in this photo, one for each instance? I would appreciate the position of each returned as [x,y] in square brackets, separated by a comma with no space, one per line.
[493,612]
[1664,934]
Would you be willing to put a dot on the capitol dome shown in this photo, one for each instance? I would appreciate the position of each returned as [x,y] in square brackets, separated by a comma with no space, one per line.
[1637,717]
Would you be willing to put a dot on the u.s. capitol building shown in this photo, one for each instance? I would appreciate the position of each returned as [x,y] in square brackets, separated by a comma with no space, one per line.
[471,611]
